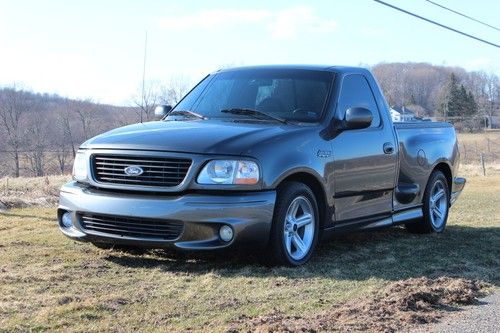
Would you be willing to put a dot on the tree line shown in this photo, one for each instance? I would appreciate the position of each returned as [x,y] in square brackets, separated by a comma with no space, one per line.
[39,133]
[469,99]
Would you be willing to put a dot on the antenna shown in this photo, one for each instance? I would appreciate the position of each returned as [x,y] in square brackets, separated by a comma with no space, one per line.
[144,73]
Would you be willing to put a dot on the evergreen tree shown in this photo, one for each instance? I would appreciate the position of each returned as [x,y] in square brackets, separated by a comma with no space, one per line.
[458,102]
[472,107]
[448,105]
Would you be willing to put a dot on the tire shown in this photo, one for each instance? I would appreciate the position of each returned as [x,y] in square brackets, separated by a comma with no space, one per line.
[295,228]
[436,205]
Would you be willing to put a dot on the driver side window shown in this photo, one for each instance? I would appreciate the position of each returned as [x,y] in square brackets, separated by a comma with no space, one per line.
[356,92]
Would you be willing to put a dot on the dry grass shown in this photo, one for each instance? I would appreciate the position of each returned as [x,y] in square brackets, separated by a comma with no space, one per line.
[472,145]
[481,139]
[48,282]
[24,191]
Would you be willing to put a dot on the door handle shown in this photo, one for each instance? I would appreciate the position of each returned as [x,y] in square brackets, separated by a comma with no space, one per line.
[388,148]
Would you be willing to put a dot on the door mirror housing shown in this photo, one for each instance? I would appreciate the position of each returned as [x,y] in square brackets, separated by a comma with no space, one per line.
[357,118]
[161,111]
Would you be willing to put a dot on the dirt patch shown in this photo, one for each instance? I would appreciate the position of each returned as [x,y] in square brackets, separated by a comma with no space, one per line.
[401,305]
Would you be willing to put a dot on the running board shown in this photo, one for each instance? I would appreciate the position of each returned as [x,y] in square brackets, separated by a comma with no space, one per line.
[401,217]
[410,215]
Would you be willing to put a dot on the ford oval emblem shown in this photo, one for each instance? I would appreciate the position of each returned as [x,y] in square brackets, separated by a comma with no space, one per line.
[133,170]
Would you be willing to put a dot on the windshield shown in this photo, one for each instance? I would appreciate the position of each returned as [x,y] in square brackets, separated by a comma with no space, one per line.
[297,95]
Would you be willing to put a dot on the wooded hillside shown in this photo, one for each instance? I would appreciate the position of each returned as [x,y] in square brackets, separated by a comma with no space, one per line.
[39,133]
[439,91]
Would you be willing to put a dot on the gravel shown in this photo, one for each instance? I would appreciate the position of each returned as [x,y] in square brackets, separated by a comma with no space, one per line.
[483,318]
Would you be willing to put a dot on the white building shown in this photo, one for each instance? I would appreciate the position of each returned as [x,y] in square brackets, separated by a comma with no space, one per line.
[401,114]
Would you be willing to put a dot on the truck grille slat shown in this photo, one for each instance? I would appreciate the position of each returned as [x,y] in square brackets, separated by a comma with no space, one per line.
[164,166]
[139,160]
[151,177]
[132,227]
[127,229]
[143,225]
[106,169]
[157,171]
[137,181]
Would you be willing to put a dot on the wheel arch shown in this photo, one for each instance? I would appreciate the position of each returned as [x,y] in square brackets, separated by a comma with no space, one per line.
[446,170]
[316,187]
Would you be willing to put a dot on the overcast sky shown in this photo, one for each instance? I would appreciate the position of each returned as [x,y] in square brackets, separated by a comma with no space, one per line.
[95,48]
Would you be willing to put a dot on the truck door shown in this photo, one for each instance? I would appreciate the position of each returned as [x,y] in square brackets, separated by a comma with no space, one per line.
[365,160]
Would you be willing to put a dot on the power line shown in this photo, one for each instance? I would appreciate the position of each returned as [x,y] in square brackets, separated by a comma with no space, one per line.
[464,15]
[438,24]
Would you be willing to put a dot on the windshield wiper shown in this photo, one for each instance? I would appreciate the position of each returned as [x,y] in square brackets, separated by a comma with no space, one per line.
[186,113]
[252,112]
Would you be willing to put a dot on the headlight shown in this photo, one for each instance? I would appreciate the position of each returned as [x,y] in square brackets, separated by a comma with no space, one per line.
[80,167]
[229,172]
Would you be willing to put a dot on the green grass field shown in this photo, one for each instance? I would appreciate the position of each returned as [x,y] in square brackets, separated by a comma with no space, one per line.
[48,282]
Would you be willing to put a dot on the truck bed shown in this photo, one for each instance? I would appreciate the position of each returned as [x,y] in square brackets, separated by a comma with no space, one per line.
[424,146]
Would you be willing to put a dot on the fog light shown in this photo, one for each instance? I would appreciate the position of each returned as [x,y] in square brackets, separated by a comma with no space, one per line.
[226,233]
[67,220]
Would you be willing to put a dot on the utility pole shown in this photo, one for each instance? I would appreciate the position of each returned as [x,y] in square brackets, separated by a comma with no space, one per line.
[144,73]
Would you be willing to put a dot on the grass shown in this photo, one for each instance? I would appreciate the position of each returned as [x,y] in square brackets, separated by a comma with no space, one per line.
[481,139]
[472,145]
[25,191]
[48,282]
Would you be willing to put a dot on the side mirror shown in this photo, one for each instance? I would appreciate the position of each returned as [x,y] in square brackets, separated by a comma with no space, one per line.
[161,111]
[357,118]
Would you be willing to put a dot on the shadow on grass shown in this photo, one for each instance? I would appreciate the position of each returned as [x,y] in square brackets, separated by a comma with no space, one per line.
[391,254]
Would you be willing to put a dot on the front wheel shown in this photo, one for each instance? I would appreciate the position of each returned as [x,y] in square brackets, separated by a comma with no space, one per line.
[436,204]
[294,233]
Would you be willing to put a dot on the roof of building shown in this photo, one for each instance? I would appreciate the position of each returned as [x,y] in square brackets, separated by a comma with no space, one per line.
[405,111]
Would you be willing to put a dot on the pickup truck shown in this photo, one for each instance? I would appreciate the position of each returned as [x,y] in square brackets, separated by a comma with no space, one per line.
[273,158]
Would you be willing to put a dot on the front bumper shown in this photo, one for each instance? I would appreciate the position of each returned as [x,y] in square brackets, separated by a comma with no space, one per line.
[249,214]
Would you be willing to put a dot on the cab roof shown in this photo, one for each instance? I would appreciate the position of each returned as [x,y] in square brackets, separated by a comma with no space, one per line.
[323,68]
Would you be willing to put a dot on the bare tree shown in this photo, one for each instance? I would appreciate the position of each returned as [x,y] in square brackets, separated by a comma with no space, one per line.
[147,100]
[14,104]
[85,112]
[178,86]
[419,85]
[61,140]
[493,93]
[37,138]
[154,94]
[65,125]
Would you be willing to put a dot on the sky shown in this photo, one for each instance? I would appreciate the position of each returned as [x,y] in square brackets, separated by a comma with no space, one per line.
[95,48]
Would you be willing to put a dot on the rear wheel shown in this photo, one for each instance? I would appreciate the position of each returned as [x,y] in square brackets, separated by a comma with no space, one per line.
[436,204]
[295,228]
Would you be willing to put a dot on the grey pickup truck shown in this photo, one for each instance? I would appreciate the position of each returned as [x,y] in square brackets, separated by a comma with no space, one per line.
[274,158]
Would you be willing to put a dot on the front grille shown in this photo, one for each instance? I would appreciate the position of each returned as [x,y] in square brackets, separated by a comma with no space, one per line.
[157,171]
[132,227]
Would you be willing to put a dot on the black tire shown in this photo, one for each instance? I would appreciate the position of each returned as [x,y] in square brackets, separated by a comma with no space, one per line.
[430,223]
[277,249]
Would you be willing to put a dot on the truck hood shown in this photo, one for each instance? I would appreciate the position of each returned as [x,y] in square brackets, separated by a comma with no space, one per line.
[190,136]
